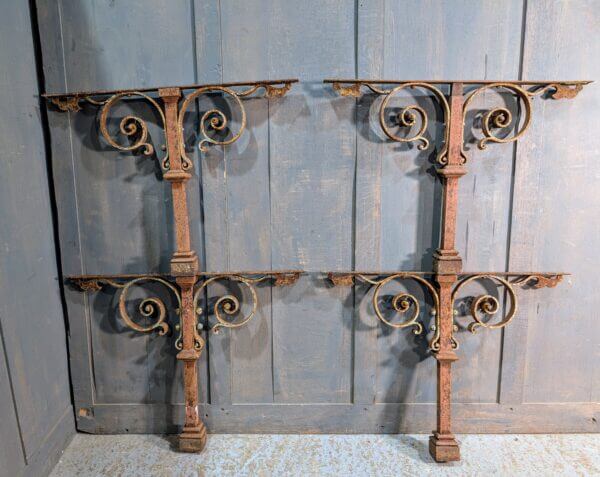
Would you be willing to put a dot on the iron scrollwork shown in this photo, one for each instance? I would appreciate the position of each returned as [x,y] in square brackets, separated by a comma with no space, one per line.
[229,304]
[135,129]
[538,280]
[487,305]
[402,303]
[498,119]
[407,116]
[151,307]
[154,307]
[131,126]
[226,307]
[482,307]
[216,120]
[493,121]
[67,103]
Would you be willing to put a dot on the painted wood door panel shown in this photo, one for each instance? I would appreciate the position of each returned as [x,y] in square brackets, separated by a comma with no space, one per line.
[36,416]
[12,457]
[266,176]
[555,222]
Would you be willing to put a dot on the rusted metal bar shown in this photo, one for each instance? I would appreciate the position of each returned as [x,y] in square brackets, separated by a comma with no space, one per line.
[420,272]
[184,266]
[448,82]
[244,273]
[529,279]
[111,92]
[447,264]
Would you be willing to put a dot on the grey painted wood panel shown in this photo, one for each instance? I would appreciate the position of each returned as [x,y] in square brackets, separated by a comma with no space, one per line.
[241,197]
[250,249]
[257,207]
[367,215]
[556,206]
[33,329]
[312,180]
[34,377]
[214,194]
[387,418]
[68,216]
[12,454]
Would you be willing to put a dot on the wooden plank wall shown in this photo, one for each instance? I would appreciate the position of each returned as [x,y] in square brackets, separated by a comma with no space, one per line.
[312,184]
[555,168]
[36,415]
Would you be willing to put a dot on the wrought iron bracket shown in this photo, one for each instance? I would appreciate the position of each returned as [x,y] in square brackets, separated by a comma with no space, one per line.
[227,309]
[185,282]
[494,122]
[135,129]
[482,309]
[409,124]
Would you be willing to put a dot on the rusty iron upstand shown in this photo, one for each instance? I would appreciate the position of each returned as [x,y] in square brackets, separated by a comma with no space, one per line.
[185,281]
[447,278]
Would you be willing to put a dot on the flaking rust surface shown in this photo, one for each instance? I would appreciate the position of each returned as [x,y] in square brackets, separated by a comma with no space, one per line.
[356,455]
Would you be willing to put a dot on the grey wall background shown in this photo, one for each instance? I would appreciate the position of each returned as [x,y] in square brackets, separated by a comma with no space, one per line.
[36,415]
[313,185]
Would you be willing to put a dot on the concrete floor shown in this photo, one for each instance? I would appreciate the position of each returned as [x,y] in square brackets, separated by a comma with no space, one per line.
[336,455]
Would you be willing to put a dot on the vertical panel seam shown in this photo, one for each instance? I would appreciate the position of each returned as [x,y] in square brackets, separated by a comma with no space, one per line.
[356,10]
[45,126]
[204,316]
[226,195]
[194,44]
[226,188]
[511,204]
[354,314]
[12,394]
[270,244]
[76,204]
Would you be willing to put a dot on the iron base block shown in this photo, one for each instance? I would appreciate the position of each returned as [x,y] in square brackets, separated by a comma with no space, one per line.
[192,439]
[444,448]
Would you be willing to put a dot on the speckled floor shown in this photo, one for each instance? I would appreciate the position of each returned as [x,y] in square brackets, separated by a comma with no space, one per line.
[336,455]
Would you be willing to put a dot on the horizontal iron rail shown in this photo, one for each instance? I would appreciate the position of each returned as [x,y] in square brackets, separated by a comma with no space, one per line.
[184,87]
[411,272]
[200,274]
[516,82]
